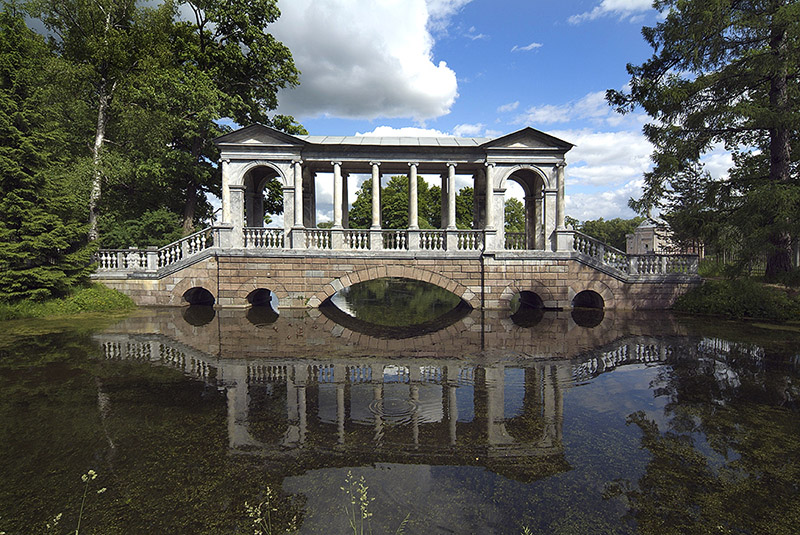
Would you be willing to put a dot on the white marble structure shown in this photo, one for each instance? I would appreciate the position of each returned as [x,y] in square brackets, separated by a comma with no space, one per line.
[256,154]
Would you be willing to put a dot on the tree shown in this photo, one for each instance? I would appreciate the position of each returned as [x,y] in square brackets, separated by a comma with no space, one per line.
[726,72]
[514,215]
[612,231]
[43,252]
[394,204]
[101,37]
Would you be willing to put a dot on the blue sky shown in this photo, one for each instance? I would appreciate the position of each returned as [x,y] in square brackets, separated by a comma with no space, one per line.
[480,68]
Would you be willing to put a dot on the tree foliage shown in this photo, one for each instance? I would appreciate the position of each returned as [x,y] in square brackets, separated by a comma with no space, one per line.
[611,231]
[43,251]
[726,72]
[514,215]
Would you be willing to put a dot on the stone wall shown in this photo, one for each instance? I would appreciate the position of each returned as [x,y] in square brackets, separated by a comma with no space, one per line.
[305,281]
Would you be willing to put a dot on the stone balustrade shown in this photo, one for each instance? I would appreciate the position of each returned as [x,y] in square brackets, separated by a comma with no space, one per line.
[369,241]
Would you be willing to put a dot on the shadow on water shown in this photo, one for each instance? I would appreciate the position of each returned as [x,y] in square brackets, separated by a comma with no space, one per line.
[394,332]
[588,317]
[261,315]
[199,315]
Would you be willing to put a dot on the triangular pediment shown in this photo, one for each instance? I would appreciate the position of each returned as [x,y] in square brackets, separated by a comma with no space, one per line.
[258,134]
[528,138]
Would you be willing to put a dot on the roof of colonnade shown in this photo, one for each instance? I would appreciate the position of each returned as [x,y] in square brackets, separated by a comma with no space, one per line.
[264,136]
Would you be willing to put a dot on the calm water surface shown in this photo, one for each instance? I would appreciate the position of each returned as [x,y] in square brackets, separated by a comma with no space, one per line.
[458,421]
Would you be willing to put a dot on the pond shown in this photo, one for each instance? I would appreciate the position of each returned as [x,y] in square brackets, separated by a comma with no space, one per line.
[457,421]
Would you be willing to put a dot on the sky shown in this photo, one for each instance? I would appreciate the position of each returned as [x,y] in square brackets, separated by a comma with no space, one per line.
[479,68]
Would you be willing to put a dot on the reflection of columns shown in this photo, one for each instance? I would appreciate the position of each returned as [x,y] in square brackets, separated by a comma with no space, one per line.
[376,195]
[495,406]
[377,398]
[301,409]
[452,401]
[238,407]
[490,196]
[451,195]
[414,394]
[298,193]
[561,202]
[337,194]
[340,410]
[345,202]
[413,203]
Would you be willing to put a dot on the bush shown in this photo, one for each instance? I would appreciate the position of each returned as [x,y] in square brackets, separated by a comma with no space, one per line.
[739,298]
[93,298]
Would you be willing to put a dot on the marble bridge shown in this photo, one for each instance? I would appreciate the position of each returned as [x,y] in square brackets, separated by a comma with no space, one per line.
[240,261]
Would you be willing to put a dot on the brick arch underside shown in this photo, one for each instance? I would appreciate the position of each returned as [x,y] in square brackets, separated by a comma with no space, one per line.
[255,283]
[535,286]
[406,272]
[187,283]
[595,286]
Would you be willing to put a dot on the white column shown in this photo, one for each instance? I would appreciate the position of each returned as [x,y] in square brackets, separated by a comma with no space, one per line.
[550,219]
[489,196]
[226,197]
[376,195]
[561,203]
[445,218]
[413,203]
[538,228]
[298,193]
[345,201]
[451,195]
[337,194]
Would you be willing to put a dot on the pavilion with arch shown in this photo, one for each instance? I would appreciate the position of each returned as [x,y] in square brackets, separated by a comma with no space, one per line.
[253,156]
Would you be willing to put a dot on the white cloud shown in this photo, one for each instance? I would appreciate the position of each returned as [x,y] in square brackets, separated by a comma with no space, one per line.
[606,158]
[621,8]
[441,11]
[606,204]
[511,106]
[364,59]
[592,107]
[406,131]
[473,34]
[526,48]
[468,130]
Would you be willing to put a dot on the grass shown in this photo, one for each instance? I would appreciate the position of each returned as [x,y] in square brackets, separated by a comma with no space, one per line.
[93,298]
[741,298]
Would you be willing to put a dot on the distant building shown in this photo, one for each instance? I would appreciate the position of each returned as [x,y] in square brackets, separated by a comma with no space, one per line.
[653,236]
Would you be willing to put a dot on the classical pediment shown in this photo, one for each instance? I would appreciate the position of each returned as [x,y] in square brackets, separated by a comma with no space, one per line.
[259,135]
[528,138]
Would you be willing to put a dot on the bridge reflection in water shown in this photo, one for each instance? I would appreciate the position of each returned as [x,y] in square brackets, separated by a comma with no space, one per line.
[467,402]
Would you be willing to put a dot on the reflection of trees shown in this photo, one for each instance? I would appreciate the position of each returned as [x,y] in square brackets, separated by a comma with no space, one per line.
[398,302]
[729,460]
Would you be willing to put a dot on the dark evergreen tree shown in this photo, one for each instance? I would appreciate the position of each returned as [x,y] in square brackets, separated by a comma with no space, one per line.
[42,252]
[727,72]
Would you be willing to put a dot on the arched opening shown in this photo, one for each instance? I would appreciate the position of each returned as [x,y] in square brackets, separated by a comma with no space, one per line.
[524,211]
[263,198]
[587,309]
[199,315]
[198,296]
[588,299]
[527,309]
[264,307]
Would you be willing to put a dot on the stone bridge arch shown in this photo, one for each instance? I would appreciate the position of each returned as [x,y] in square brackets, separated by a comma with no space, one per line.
[535,286]
[239,295]
[595,286]
[186,284]
[405,272]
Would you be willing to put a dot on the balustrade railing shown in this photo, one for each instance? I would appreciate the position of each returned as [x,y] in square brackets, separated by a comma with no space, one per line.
[515,241]
[469,240]
[395,240]
[356,239]
[264,238]
[121,259]
[185,247]
[318,238]
[603,253]
[646,264]
[432,240]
